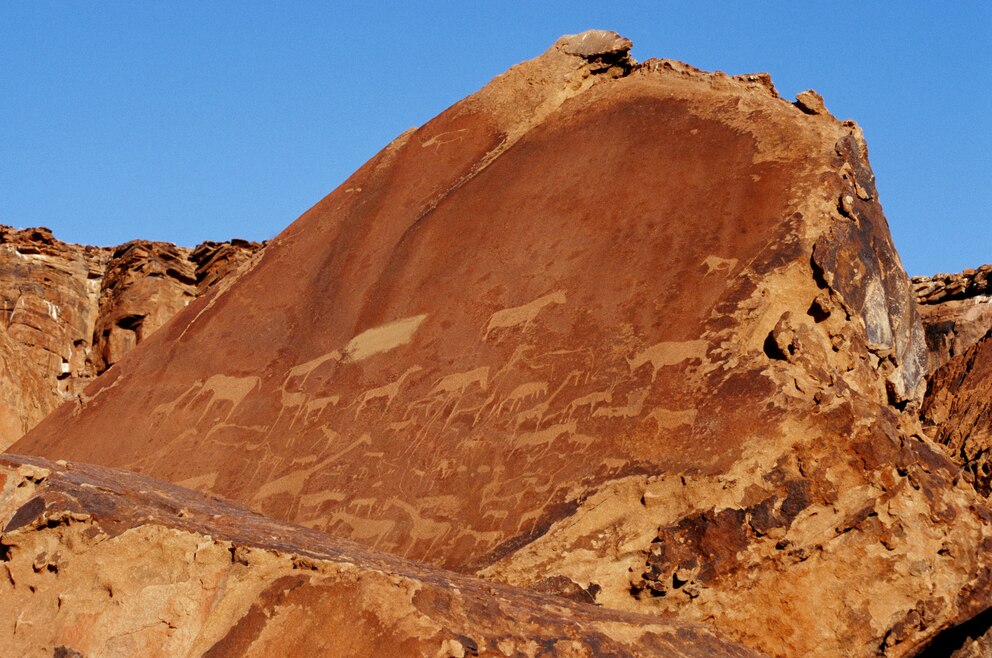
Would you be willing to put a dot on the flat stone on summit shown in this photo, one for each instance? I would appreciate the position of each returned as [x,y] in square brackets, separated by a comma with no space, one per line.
[595,43]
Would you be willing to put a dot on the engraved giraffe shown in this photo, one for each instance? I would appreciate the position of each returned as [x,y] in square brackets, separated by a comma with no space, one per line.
[388,391]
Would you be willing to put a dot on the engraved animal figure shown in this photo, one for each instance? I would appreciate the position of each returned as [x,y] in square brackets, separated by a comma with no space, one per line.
[590,401]
[222,388]
[521,394]
[535,413]
[522,315]
[387,391]
[634,406]
[667,353]
[717,264]
[460,381]
[668,419]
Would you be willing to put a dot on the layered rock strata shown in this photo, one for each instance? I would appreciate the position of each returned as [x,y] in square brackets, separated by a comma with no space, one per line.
[627,329]
[71,311]
[956,310]
[96,562]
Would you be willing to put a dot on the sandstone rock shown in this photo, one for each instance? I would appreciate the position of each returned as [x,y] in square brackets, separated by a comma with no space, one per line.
[956,311]
[958,410]
[811,102]
[601,323]
[97,562]
[596,45]
[72,311]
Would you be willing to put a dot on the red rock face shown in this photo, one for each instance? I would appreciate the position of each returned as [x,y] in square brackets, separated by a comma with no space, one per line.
[72,311]
[637,331]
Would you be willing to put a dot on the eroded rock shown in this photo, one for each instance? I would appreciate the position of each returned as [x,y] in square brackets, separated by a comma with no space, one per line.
[958,410]
[97,562]
[956,311]
[72,311]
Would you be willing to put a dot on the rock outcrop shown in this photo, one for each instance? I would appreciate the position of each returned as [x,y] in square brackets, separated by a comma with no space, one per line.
[956,310]
[631,332]
[958,410]
[97,562]
[72,311]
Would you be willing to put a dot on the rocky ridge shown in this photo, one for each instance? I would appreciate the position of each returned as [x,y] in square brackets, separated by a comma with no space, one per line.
[72,311]
[97,562]
[630,332]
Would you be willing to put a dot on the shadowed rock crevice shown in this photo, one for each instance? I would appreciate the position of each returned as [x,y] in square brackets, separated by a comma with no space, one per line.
[970,639]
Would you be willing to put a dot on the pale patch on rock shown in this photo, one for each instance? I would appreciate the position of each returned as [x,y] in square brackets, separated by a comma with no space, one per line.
[381,339]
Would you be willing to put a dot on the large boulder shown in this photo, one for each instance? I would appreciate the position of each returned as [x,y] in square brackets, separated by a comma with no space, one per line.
[100,562]
[631,329]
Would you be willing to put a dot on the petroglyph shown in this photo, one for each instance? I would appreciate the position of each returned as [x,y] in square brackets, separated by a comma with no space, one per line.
[315,500]
[668,353]
[359,528]
[304,369]
[460,381]
[516,316]
[521,394]
[717,264]
[544,438]
[535,414]
[386,391]
[538,413]
[447,137]
[317,406]
[203,482]
[668,419]
[220,388]
[382,339]
[589,402]
[633,408]
[401,425]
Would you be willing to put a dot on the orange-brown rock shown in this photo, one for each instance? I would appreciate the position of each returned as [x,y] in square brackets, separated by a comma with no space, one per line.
[956,310]
[97,562]
[634,327]
[72,311]
[958,410]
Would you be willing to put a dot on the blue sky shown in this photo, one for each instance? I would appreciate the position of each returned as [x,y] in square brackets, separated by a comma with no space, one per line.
[186,121]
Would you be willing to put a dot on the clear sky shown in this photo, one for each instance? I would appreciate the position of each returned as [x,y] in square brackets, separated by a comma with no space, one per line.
[186,121]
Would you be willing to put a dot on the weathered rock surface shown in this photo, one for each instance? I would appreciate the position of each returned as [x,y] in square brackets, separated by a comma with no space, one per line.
[630,332]
[72,311]
[96,562]
[958,410]
[956,310]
